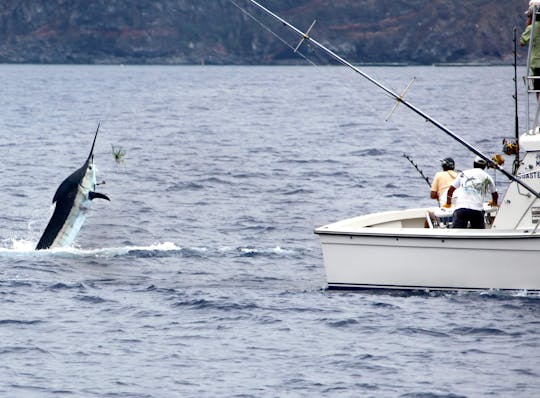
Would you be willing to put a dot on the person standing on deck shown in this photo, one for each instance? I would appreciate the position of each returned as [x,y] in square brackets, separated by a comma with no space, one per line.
[535,48]
[475,183]
[442,180]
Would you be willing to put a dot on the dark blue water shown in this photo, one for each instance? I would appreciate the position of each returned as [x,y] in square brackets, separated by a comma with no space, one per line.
[202,277]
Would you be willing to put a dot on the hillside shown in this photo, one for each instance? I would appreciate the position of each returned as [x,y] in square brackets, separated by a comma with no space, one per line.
[216,32]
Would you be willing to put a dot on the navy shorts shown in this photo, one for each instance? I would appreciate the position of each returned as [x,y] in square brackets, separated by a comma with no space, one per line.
[462,217]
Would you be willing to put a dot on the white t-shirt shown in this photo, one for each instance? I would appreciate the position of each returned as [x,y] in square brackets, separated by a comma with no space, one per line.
[475,184]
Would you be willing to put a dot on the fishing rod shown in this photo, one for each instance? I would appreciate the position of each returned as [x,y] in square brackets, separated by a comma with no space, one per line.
[306,37]
[417,168]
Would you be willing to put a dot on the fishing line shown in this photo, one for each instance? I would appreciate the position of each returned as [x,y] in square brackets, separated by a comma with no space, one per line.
[244,11]
[282,40]
[344,85]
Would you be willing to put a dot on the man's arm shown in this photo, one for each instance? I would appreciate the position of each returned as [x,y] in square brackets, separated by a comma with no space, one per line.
[494,199]
[525,36]
[449,195]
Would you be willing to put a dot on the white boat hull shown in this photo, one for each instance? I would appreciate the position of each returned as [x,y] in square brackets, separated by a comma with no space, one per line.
[388,255]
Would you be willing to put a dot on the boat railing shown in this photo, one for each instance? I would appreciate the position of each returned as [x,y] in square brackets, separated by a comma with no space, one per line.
[439,217]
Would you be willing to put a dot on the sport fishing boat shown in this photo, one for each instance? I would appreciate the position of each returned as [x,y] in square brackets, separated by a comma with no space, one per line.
[395,250]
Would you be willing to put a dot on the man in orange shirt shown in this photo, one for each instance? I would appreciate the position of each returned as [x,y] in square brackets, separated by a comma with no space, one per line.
[442,180]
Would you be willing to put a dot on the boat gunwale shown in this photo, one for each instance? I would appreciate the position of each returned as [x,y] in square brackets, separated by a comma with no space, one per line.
[452,234]
[412,288]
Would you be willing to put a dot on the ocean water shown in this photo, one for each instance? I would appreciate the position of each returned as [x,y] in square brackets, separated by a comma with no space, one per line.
[202,277]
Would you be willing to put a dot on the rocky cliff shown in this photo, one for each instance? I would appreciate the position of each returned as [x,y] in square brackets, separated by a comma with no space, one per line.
[217,32]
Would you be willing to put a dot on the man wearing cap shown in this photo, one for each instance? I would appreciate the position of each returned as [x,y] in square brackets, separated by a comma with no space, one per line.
[475,183]
[442,180]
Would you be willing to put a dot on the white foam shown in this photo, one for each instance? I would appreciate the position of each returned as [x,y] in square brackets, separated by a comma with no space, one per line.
[20,246]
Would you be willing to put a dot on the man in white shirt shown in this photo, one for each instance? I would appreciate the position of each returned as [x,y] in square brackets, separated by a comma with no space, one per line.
[475,183]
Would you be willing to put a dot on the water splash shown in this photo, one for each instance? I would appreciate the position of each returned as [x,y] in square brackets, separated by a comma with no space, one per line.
[25,248]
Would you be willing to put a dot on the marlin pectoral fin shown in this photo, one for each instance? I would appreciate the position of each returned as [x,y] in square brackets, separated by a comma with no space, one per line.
[96,195]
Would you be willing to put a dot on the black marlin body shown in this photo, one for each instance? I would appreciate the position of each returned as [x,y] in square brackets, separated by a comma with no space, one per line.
[72,200]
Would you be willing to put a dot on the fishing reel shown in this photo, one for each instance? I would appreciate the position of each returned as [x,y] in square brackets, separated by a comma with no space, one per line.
[510,147]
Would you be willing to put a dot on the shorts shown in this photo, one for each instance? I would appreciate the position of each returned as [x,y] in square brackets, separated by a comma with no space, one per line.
[462,217]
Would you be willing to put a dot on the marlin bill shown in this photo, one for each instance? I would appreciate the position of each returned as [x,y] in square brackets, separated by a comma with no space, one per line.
[72,201]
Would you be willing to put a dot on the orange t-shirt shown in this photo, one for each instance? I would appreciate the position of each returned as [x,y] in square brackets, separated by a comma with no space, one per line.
[441,182]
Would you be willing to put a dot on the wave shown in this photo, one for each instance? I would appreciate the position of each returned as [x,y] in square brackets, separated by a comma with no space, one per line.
[18,322]
[220,304]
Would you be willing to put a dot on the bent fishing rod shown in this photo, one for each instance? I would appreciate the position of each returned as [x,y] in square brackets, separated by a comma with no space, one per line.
[399,98]
[417,168]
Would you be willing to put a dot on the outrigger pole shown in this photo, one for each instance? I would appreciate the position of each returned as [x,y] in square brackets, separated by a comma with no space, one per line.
[398,98]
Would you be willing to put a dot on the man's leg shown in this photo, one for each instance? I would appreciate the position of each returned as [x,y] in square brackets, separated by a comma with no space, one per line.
[477,219]
[460,219]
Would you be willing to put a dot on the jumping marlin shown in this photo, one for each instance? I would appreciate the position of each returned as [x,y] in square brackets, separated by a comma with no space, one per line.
[72,200]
